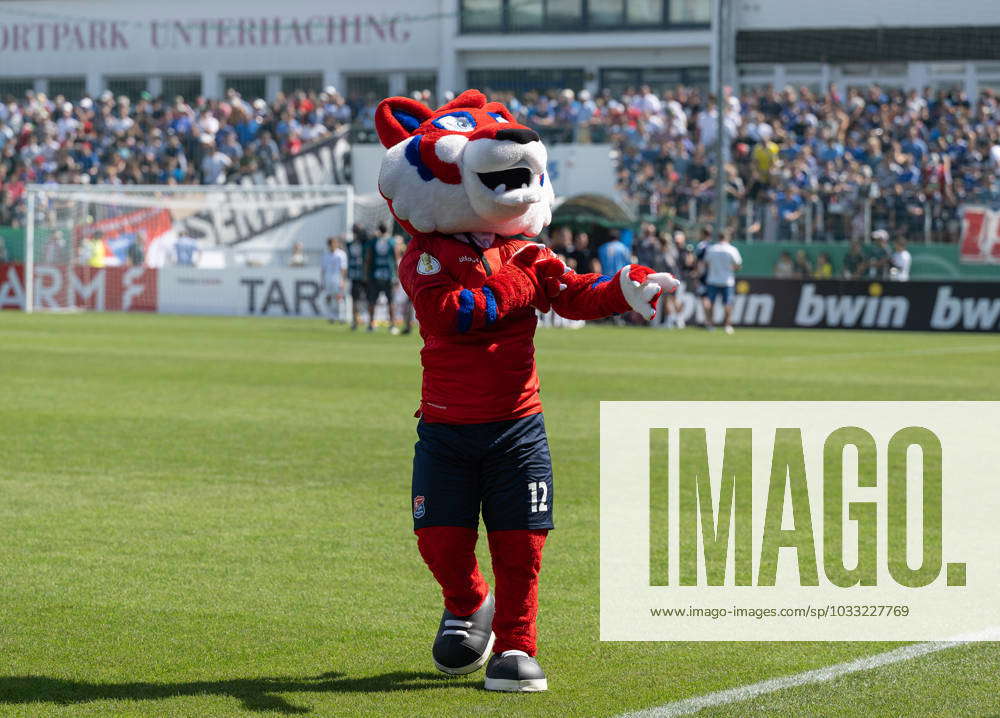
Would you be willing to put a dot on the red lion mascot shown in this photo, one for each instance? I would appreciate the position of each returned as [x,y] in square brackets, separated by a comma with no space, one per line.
[463,180]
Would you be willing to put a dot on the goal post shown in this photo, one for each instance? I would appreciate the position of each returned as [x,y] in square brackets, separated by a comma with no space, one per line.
[85,244]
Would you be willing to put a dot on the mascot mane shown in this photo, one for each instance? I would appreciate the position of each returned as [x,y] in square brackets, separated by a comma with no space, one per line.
[465,167]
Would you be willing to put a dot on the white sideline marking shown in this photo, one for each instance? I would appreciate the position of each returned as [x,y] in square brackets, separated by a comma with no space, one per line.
[971,349]
[687,706]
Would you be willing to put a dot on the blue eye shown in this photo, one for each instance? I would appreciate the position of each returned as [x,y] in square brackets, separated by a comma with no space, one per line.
[456,122]
[498,117]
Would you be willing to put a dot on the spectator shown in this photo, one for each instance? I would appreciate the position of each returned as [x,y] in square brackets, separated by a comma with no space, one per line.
[649,249]
[186,252]
[855,263]
[879,255]
[901,261]
[583,259]
[95,254]
[614,254]
[784,268]
[215,163]
[136,251]
[802,269]
[562,243]
[824,267]
[298,256]
[54,250]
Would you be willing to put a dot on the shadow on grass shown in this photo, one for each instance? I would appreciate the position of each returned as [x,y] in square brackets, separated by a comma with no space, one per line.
[256,694]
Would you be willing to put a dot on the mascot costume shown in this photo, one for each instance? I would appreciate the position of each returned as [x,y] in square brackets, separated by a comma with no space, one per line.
[464,180]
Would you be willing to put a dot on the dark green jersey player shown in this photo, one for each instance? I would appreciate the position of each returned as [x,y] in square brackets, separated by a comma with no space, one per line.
[381,258]
[356,252]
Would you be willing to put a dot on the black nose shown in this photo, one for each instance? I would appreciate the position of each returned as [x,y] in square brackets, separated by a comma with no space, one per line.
[515,134]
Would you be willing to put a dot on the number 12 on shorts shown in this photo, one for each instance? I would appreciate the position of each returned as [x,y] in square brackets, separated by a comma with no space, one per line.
[539,496]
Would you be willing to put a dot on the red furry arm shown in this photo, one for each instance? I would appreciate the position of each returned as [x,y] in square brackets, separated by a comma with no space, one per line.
[589,296]
[592,296]
[444,307]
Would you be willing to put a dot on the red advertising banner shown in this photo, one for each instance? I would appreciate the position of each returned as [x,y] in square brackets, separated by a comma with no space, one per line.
[11,286]
[107,289]
[141,226]
[980,241]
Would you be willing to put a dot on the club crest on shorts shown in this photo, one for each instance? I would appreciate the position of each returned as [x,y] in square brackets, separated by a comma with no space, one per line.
[419,509]
[428,264]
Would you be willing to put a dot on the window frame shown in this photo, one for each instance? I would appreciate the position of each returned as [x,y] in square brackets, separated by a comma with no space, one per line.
[642,78]
[585,24]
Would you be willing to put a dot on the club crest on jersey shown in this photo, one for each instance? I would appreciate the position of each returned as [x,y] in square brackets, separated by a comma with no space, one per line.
[428,265]
[419,509]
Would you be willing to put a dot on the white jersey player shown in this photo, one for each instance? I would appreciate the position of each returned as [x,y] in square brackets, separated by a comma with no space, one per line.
[334,278]
[722,261]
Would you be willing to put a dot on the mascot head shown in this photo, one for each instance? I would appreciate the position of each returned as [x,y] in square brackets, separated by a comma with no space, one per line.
[465,167]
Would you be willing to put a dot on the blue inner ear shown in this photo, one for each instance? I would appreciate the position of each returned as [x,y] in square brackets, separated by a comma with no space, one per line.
[408,121]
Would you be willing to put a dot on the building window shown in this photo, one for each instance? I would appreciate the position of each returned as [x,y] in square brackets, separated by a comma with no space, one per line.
[421,81]
[619,79]
[15,87]
[690,12]
[186,86]
[72,88]
[367,87]
[526,80]
[310,82]
[606,13]
[250,87]
[565,14]
[482,15]
[644,12]
[130,87]
[525,14]
[581,15]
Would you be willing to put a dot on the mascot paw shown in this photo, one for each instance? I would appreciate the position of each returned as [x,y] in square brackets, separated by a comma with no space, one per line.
[545,271]
[642,287]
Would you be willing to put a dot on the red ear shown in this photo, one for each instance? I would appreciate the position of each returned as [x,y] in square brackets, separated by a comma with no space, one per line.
[397,117]
[469,98]
[499,109]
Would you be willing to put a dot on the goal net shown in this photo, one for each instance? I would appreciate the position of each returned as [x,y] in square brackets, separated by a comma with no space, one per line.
[88,248]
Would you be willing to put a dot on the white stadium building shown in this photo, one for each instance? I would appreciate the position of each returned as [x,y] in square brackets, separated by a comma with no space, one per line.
[394,46]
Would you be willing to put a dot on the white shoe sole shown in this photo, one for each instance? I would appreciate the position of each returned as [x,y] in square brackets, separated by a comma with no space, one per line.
[508,685]
[472,667]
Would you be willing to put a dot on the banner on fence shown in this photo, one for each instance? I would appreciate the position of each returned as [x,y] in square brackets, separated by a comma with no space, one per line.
[298,292]
[980,242]
[916,306]
[272,291]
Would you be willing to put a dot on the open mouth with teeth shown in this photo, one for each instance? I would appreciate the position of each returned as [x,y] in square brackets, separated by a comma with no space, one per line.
[512,178]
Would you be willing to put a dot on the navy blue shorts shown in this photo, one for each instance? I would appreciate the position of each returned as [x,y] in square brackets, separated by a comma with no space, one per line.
[714,291]
[502,468]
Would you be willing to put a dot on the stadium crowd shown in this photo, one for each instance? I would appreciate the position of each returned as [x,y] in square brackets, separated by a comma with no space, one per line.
[831,165]
[113,140]
[802,165]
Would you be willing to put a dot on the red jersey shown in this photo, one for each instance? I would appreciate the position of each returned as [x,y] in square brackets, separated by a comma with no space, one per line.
[475,375]
[479,356]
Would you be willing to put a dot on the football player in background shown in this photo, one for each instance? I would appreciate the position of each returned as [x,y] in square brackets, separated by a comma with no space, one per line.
[334,277]
[381,260]
[356,271]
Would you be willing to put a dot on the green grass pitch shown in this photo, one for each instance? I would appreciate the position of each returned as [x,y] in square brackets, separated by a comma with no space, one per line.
[210,517]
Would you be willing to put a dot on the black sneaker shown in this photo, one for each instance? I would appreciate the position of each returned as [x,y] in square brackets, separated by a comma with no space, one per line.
[515,672]
[463,643]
